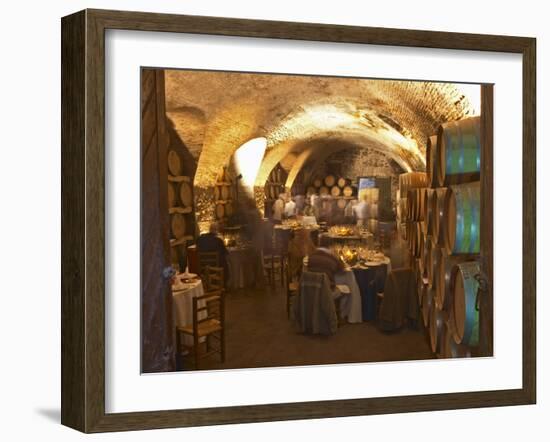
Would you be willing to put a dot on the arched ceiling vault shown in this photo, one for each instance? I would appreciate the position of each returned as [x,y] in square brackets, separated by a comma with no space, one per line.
[223,110]
[315,152]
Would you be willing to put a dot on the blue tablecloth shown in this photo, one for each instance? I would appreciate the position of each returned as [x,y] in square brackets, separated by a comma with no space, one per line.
[370,281]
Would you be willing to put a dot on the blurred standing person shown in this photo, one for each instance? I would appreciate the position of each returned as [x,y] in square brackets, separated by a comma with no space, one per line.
[348,213]
[300,203]
[278,209]
[290,208]
[361,212]
[316,204]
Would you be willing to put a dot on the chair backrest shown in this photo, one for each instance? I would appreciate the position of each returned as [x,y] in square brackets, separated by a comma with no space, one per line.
[211,259]
[315,310]
[208,306]
[213,278]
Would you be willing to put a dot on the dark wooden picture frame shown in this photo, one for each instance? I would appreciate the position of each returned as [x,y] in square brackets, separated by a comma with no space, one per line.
[83,218]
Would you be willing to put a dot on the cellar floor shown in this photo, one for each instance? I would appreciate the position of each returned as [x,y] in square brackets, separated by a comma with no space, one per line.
[258,334]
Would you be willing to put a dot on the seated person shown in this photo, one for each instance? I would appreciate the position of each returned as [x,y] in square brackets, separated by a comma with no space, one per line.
[211,242]
[323,261]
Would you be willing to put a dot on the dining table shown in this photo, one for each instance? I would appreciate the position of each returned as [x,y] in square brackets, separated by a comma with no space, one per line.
[371,278]
[364,280]
[349,299]
[245,268]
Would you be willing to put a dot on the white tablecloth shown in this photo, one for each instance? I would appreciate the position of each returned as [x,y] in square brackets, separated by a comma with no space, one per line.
[183,305]
[350,305]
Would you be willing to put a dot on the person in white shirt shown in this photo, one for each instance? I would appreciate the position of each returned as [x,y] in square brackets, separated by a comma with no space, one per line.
[278,209]
[361,212]
[290,208]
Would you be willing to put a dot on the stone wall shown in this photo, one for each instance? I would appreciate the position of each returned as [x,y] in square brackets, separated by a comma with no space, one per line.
[354,163]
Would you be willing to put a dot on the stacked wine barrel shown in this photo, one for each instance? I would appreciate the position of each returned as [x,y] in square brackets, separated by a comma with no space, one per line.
[180,205]
[442,227]
[224,193]
[275,184]
[371,196]
[408,217]
[337,193]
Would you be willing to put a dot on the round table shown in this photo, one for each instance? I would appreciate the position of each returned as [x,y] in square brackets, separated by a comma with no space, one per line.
[182,297]
[245,268]
[371,280]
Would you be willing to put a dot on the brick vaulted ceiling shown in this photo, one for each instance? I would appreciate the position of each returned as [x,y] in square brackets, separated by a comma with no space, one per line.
[305,118]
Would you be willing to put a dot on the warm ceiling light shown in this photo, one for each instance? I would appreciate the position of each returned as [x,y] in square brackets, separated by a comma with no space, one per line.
[248,159]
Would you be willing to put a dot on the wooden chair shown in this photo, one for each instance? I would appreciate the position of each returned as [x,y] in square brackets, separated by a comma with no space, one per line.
[273,260]
[208,322]
[208,259]
[213,279]
[292,289]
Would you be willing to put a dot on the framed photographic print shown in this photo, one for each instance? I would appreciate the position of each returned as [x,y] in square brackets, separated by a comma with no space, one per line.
[268,220]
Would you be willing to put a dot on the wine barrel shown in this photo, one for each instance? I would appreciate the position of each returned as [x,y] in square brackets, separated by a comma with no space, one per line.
[465,307]
[420,203]
[415,204]
[432,177]
[224,176]
[273,192]
[220,211]
[427,301]
[414,236]
[411,180]
[217,193]
[419,240]
[449,348]
[178,226]
[458,151]
[174,163]
[323,191]
[317,182]
[224,192]
[420,253]
[330,180]
[411,236]
[348,191]
[420,286]
[437,329]
[438,216]
[402,229]
[402,209]
[335,191]
[411,205]
[425,255]
[462,208]
[229,209]
[171,195]
[443,275]
[428,213]
[341,203]
[311,191]
[342,182]
[433,257]
[186,196]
